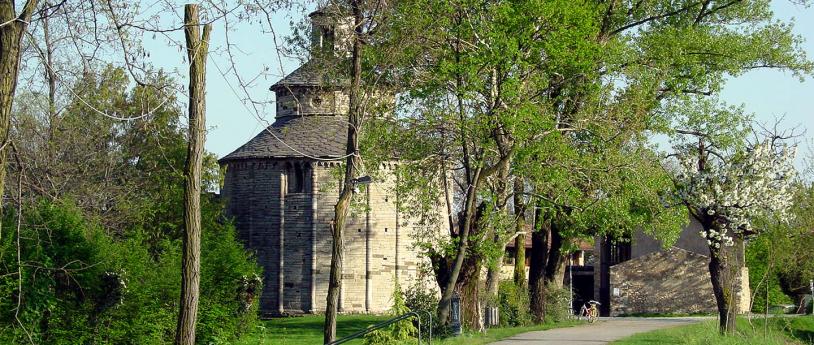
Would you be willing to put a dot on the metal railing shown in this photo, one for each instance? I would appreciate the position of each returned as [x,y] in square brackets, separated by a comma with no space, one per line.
[389,322]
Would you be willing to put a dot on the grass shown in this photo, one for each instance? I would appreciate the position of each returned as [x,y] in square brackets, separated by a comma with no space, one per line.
[308,330]
[779,330]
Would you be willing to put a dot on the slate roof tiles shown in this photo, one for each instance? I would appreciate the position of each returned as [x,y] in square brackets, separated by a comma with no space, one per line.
[317,136]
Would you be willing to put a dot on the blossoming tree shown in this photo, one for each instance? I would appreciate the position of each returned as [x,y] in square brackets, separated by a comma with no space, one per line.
[726,187]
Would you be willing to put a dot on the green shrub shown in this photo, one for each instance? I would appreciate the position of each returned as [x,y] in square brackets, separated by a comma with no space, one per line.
[558,304]
[514,305]
[80,285]
[398,332]
[423,300]
[757,254]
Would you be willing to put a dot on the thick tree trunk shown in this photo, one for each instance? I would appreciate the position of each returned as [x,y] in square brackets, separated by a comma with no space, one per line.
[519,227]
[555,264]
[197,49]
[346,195]
[469,286]
[539,261]
[493,280]
[11,34]
[463,247]
[547,265]
[725,274]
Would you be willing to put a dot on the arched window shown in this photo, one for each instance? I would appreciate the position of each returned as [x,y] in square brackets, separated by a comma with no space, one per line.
[296,178]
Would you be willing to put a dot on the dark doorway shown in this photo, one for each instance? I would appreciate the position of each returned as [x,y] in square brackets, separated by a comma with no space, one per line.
[583,285]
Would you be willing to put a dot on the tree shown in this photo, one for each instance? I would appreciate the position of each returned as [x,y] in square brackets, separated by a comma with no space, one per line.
[197,49]
[727,184]
[12,28]
[656,55]
[364,15]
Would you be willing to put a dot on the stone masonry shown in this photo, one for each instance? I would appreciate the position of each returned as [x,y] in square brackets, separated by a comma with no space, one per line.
[281,187]
[670,281]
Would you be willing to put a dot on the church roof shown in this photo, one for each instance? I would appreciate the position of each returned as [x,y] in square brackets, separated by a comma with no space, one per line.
[309,74]
[305,75]
[297,136]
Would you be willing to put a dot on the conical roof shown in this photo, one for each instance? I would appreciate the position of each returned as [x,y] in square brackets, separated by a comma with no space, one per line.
[297,136]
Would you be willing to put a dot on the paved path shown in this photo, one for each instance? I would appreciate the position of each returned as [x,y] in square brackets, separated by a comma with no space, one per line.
[602,332]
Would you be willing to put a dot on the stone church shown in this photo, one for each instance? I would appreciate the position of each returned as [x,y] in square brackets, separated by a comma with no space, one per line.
[281,188]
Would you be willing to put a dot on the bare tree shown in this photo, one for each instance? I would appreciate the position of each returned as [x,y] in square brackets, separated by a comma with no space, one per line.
[197,49]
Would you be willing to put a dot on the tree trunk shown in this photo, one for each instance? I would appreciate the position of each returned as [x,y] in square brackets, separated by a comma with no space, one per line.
[519,227]
[725,274]
[463,246]
[493,280]
[547,265]
[11,34]
[539,261]
[197,49]
[346,195]
[469,286]
[555,264]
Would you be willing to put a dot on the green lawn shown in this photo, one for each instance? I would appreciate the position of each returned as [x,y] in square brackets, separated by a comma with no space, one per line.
[780,331]
[308,330]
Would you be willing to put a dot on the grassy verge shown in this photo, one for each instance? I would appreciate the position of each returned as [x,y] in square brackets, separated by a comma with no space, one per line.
[778,331]
[308,330]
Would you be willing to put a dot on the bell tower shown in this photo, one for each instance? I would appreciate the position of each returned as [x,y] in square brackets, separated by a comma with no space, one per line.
[331,29]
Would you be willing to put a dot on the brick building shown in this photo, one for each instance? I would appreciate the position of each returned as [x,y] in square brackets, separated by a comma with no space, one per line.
[281,188]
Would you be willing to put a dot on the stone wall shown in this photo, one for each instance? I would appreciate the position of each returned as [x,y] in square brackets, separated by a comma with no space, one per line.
[670,281]
[289,232]
[298,101]
[252,189]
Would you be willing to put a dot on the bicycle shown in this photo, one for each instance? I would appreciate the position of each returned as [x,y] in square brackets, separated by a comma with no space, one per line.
[590,313]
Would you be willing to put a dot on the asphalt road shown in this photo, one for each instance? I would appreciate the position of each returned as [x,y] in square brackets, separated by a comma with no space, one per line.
[602,332]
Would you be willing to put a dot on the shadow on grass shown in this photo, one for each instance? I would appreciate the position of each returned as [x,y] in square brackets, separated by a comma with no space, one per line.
[308,329]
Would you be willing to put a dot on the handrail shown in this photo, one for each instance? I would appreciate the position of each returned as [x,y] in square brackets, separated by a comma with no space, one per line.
[429,316]
[385,324]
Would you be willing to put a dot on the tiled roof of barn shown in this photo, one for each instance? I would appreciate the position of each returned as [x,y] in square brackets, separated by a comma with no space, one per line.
[317,136]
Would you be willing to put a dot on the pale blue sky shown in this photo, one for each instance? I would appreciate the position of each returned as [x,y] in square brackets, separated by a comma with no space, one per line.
[766,93]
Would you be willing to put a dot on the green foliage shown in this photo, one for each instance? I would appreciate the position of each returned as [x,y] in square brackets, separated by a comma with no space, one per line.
[794,255]
[423,300]
[400,331]
[760,278]
[80,285]
[514,305]
[128,175]
[557,304]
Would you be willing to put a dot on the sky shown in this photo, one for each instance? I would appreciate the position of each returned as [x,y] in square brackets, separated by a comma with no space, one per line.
[768,94]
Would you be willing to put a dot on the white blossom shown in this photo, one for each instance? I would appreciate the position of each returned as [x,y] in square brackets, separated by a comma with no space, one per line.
[732,193]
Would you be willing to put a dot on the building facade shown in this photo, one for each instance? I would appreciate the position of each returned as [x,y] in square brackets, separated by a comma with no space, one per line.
[640,276]
[281,187]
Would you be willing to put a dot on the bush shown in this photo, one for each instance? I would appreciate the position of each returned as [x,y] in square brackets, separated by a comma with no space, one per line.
[398,332]
[80,285]
[422,300]
[557,304]
[514,305]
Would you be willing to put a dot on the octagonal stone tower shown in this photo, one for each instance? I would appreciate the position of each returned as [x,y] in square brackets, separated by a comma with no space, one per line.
[281,188]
